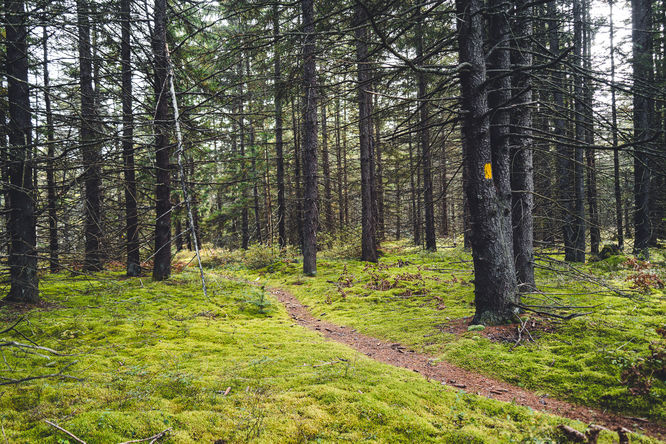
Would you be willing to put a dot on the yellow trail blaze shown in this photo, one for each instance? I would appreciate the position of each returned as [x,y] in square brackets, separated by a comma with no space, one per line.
[488,171]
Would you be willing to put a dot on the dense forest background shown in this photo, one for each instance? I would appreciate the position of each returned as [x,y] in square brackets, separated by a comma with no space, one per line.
[133,130]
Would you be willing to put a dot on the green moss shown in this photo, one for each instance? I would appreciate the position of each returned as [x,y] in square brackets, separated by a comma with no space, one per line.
[158,355]
[412,295]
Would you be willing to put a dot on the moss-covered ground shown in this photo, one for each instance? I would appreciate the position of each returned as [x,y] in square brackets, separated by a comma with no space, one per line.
[233,368]
[413,297]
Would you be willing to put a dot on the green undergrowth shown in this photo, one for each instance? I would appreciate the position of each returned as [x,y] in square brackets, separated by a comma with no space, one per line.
[234,368]
[416,298]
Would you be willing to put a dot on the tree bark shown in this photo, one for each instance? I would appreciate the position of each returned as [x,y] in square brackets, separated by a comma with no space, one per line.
[326,168]
[522,180]
[162,257]
[379,174]
[499,95]
[578,225]
[368,222]
[131,216]
[89,144]
[281,210]
[54,264]
[424,139]
[23,278]
[495,291]
[310,213]
[616,152]
[641,14]
[590,152]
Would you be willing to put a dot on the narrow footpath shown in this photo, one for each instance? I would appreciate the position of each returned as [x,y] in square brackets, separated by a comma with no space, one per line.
[397,355]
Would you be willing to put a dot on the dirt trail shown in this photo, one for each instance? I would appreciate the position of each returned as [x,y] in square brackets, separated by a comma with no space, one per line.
[397,355]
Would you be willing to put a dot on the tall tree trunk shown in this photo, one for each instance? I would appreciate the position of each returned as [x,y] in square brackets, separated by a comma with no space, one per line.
[245,224]
[416,223]
[162,258]
[339,171]
[281,210]
[494,273]
[616,152]
[24,282]
[499,95]
[578,159]
[54,265]
[379,169]
[522,180]
[641,14]
[328,199]
[590,153]
[368,222]
[131,216]
[424,139]
[89,144]
[398,206]
[310,213]
[255,185]
[444,201]
[564,162]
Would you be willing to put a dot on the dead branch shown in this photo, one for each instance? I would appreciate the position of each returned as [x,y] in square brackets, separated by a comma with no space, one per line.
[31,347]
[67,432]
[12,327]
[152,439]
[60,374]
[571,433]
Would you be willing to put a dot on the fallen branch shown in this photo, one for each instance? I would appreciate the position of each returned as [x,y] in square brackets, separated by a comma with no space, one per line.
[60,374]
[571,433]
[13,325]
[152,439]
[67,432]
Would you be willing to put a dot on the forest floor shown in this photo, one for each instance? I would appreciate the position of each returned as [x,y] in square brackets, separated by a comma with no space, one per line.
[237,367]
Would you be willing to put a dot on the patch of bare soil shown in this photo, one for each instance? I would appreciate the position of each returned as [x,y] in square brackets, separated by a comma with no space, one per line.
[400,356]
[517,334]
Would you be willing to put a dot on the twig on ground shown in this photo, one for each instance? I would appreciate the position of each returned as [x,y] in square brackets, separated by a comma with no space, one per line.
[13,325]
[67,432]
[152,439]
[60,374]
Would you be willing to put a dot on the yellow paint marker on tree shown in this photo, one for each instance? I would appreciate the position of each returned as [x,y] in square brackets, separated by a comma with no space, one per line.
[488,171]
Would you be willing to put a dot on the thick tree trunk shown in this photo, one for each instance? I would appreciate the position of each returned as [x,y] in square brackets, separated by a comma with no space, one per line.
[494,274]
[522,180]
[131,216]
[310,213]
[641,13]
[24,282]
[424,139]
[590,153]
[279,156]
[89,145]
[54,265]
[616,154]
[499,95]
[368,222]
[564,153]
[162,257]
[578,227]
